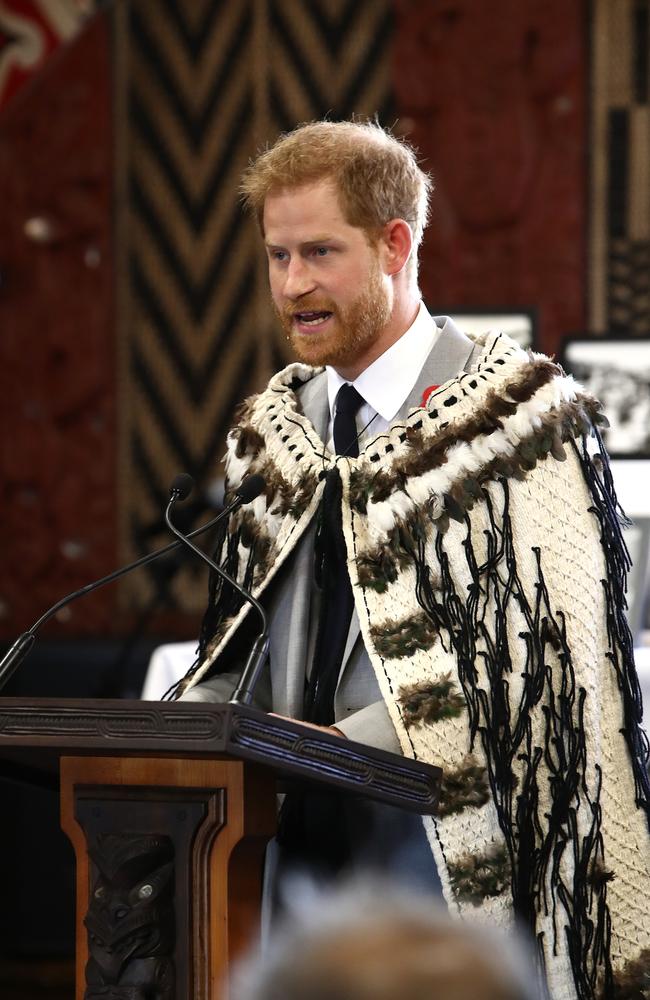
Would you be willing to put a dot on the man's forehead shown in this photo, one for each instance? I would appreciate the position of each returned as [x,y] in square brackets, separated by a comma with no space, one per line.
[314,203]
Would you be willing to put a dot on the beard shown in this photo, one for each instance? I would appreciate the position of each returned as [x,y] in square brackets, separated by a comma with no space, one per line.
[351,330]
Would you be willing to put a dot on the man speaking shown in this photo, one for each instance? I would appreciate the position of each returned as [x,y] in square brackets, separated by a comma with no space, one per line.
[439,549]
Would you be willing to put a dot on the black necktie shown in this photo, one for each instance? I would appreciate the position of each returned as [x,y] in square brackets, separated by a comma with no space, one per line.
[332,574]
[348,402]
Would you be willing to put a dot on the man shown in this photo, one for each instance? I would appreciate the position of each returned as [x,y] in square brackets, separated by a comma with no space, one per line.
[470,566]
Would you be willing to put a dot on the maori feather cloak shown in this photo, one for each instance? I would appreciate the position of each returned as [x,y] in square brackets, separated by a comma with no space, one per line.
[484,547]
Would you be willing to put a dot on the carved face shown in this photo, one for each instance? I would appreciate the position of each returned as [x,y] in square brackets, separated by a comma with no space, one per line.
[130,914]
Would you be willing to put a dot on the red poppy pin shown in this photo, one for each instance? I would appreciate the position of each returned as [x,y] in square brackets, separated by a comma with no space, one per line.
[427,392]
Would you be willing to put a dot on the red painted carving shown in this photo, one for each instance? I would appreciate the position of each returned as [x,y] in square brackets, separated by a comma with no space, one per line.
[30,32]
[57,351]
[492,94]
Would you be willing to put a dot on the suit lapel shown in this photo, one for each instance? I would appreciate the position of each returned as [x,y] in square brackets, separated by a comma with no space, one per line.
[452,353]
[315,404]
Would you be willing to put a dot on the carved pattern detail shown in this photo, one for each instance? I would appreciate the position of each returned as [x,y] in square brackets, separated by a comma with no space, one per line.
[278,744]
[619,165]
[134,725]
[57,346]
[493,95]
[130,919]
[219,729]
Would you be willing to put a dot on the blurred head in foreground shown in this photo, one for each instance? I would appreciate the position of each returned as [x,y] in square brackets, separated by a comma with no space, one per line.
[365,943]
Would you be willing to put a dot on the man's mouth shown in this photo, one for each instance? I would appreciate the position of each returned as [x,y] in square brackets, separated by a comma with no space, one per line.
[312,317]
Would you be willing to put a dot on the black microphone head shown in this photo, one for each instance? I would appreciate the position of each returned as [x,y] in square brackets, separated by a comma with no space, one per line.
[181,487]
[250,487]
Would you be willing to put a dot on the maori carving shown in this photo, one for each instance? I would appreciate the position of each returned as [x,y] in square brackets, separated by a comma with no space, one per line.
[493,97]
[57,349]
[130,919]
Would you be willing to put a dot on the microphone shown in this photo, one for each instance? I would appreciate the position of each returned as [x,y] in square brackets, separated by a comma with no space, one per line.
[179,491]
[248,489]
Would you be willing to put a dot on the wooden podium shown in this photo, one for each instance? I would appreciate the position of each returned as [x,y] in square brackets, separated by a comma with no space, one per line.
[169,807]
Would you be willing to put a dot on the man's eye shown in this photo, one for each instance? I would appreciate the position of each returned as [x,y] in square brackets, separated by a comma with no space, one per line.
[321,251]
[280,255]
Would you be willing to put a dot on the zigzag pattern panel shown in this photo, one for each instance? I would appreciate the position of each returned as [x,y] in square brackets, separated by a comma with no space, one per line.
[190,347]
[629,286]
[205,85]
[620,167]
[328,57]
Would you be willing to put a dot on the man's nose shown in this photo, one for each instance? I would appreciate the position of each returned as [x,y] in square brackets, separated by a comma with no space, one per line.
[299,279]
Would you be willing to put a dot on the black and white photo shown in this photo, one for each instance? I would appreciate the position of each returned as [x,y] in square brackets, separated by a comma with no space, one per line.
[616,370]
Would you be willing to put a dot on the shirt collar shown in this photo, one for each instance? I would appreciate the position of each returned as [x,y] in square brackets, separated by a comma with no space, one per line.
[387,382]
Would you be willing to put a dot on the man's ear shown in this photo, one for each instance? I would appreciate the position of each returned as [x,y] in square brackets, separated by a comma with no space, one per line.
[397,242]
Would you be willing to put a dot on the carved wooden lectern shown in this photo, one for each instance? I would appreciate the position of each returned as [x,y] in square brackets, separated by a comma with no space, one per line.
[169,807]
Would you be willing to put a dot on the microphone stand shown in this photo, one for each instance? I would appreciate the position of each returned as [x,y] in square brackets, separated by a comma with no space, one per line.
[21,647]
[243,693]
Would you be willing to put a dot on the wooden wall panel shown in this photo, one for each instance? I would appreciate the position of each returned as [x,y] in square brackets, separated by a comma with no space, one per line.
[620,167]
[135,136]
[493,94]
[57,465]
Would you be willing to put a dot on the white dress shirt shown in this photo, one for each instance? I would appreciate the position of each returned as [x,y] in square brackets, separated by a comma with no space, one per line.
[387,382]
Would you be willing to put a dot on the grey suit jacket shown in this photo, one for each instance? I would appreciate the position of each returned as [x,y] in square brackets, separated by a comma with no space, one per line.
[359,710]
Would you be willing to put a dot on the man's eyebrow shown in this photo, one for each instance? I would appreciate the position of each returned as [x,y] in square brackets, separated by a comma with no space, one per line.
[314,241]
[326,238]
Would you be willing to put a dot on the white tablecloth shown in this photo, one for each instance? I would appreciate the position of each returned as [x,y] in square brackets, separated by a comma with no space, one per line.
[167,665]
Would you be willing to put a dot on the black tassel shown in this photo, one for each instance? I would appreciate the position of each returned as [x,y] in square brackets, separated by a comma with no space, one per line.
[224,602]
[612,520]
[474,624]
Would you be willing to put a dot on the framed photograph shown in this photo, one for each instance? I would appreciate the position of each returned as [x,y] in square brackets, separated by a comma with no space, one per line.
[617,371]
[520,324]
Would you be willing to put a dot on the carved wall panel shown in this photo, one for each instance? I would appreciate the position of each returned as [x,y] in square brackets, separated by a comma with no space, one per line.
[494,97]
[57,413]
[31,32]
[620,167]
[195,88]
